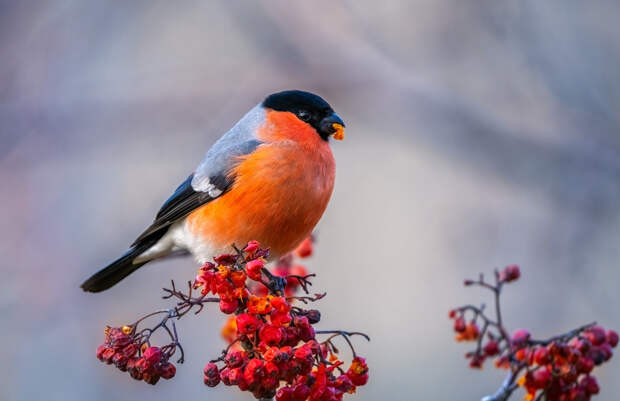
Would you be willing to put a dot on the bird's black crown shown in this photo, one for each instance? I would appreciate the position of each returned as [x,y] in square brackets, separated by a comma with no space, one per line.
[306,106]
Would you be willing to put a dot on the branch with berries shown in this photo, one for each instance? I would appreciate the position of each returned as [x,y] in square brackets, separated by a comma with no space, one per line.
[273,347]
[554,369]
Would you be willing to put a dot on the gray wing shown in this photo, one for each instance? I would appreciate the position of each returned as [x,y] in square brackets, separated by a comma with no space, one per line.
[212,178]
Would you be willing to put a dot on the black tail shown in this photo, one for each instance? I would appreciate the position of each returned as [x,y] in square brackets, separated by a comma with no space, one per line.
[119,269]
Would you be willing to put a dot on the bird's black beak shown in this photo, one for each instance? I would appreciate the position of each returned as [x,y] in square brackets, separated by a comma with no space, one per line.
[333,125]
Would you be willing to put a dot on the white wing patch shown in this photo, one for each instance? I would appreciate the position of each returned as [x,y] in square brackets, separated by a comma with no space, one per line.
[205,185]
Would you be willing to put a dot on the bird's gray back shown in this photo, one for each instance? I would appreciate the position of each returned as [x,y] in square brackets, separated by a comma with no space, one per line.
[211,174]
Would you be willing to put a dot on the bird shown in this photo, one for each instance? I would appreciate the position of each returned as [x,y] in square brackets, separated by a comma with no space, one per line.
[269,179]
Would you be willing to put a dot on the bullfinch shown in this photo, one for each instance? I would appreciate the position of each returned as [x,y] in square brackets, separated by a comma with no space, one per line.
[267,179]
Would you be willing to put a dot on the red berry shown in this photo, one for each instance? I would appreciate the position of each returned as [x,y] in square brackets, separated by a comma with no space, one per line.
[358,380]
[235,376]
[130,350]
[291,336]
[234,359]
[271,369]
[285,394]
[343,384]
[301,392]
[212,375]
[280,318]
[207,266]
[304,249]
[584,365]
[502,362]
[522,354]
[542,356]
[314,346]
[120,361]
[100,350]
[306,333]
[225,376]
[211,382]
[580,344]
[238,278]
[491,348]
[477,361]
[253,371]
[247,324]
[229,306]
[541,377]
[251,247]
[225,288]
[301,322]
[150,378]
[167,371]
[358,371]
[152,355]
[211,370]
[133,371]
[120,339]
[596,335]
[273,354]
[303,353]
[107,355]
[510,273]
[254,269]
[607,351]
[520,337]
[270,335]
[225,259]
[590,384]
[612,338]
[144,365]
[280,304]
[459,325]
[578,393]
[597,355]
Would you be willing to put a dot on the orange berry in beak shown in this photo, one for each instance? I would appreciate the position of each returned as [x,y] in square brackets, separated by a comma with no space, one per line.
[339,131]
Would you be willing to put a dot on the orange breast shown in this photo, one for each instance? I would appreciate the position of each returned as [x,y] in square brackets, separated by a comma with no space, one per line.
[280,191]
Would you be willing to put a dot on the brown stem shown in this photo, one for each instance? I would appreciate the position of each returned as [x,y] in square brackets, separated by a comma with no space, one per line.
[345,335]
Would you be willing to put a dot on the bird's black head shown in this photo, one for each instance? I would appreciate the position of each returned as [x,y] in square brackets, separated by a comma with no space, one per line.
[309,108]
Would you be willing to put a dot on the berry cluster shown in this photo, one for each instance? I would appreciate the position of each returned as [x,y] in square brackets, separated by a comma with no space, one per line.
[556,369]
[228,276]
[306,377]
[130,352]
[273,347]
[271,341]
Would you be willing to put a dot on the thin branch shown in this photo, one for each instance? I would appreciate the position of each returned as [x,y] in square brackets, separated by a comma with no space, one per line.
[565,336]
[507,387]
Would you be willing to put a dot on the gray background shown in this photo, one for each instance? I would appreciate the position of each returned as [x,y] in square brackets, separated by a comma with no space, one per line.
[480,133]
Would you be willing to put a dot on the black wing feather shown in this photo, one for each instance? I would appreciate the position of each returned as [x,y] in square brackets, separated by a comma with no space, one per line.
[183,201]
[217,165]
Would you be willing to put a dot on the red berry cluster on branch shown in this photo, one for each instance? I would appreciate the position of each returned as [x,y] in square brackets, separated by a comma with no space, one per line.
[273,347]
[130,352]
[555,369]
[304,370]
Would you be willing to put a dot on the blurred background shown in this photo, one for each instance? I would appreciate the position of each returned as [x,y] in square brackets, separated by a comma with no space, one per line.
[479,134]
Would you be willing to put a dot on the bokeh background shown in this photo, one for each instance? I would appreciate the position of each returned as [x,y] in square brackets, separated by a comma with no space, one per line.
[480,133]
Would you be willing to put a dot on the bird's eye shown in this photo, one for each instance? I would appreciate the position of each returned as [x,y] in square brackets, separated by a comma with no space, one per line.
[303,115]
